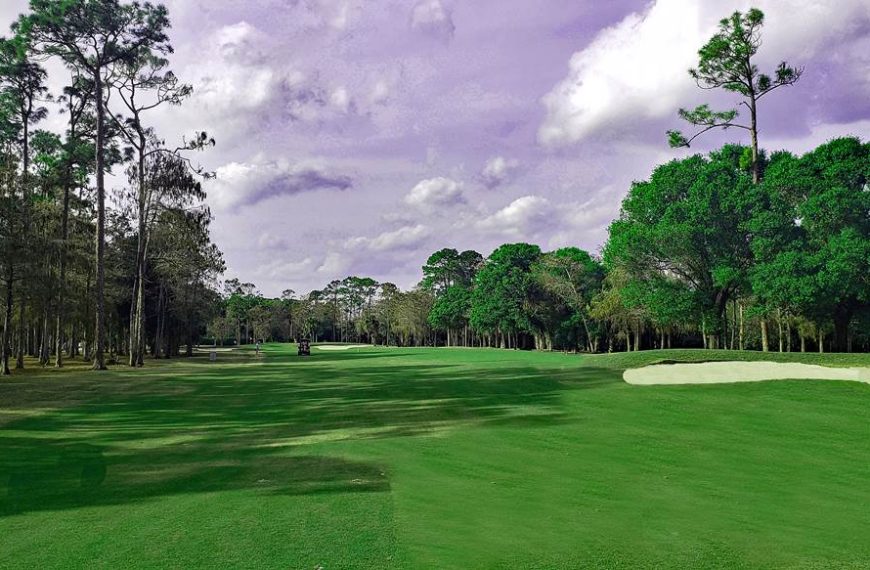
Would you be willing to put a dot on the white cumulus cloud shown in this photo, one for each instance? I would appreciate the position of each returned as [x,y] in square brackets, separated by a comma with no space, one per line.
[408,237]
[522,218]
[497,171]
[637,69]
[434,193]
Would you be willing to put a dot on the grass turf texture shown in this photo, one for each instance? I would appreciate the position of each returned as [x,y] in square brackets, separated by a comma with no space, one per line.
[431,458]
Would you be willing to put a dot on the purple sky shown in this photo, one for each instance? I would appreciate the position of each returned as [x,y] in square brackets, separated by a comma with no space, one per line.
[359,136]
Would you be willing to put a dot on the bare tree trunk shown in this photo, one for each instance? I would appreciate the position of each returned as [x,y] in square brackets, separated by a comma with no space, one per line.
[158,335]
[5,349]
[137,342]
[842,318]
[588,334]
[25,194]
[100,238]
[734,324]
[46,337]
[75,347]
[756,167]
[765,345]
[22,338]
[61,308]
[779,328]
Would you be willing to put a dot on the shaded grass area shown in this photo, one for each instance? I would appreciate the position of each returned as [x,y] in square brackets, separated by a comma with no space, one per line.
[389,458]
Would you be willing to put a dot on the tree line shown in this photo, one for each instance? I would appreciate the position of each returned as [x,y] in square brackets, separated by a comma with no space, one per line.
[700,256]
[737,249]
[86,270]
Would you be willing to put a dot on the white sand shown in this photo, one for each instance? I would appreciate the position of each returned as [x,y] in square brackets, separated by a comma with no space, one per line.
[341,347]
[728,372]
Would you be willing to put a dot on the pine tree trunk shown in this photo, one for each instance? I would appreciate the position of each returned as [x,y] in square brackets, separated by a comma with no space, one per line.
[779,329]
[5,347]
[61,308]
[46,338]
[100,238]
[756,167]
[22,333]
[734,324]
[73,348]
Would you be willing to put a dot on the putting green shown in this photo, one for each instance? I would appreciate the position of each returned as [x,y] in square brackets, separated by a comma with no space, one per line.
[431,458]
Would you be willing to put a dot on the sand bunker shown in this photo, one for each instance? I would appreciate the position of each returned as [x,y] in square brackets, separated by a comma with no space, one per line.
[728,372]
[341,347]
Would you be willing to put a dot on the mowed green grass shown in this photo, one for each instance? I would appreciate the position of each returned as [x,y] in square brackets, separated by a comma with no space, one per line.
[431,458]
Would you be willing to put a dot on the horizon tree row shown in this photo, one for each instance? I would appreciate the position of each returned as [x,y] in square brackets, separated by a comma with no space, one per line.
[700,256]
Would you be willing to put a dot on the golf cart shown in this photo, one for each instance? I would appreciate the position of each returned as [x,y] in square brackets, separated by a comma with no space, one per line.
[304,347]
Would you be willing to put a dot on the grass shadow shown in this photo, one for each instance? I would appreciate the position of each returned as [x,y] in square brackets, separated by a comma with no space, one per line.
[197,426]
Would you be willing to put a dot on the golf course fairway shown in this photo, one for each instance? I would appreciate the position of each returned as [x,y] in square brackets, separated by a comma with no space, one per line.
[378,458]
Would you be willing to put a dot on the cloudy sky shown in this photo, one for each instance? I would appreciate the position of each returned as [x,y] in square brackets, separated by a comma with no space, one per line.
[359,136]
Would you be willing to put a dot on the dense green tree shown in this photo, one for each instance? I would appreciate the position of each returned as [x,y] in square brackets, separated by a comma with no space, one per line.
[689,222]
[811,235]
[573,277]
[448,267]
[410,313]
[622,318]
[240,298]
[450,276]
[503,289]
[667,303]
[451,311]
[186,265]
